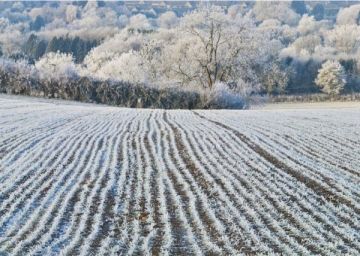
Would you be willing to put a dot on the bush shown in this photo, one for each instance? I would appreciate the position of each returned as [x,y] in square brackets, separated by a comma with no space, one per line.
[222,96]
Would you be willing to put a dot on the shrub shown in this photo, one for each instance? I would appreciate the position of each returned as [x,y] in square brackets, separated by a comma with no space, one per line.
[223,96]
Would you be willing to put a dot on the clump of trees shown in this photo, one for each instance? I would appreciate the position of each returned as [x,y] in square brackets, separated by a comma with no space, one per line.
[35,48]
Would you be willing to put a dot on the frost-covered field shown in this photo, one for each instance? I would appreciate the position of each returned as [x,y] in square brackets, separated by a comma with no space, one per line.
[77,179]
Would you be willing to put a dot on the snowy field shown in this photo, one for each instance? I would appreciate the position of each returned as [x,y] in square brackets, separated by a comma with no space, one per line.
[78,179]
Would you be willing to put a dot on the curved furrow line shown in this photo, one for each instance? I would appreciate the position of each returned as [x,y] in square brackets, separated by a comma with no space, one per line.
[49,224]
[162,243]
[336,211]
[41,122]
[133,213]
[208,220]
[28,171]
[17,141]
[101,228]
[316,150]
[180,236]
[145,213]
[330,222]
[117,241]
[38,120]
[191,199]
[60,239]
[56,164]
[33,141]
[246,205]
[161,240]
[323,173]
[110,205]
[45,160]
[127,200]
[261,185]
[49,206]
[317,147]
[43,213]
[316,186]
[299,127]
[220,200]
[345,194]
[330,169]
[213,219]
[326,133]
[312,139]
[258,201]
[251,130]
[340,131]
[109,243]
[110,181]
[42,125]
[74,213]
[63,223]
[29,195]
[28,136]
[22,222]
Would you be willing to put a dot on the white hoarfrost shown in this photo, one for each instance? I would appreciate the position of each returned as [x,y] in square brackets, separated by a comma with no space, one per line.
[84,179]
[331,77]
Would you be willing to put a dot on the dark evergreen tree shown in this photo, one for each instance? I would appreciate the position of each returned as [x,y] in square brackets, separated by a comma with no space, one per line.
[18,56]
[35,48]
[318,12]
[37,24]
[76,46]
[299,7]
[40,49]
[101,3]
[54,45]
[79,3]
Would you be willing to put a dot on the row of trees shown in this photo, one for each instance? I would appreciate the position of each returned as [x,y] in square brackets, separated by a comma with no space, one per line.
[273,47]
[35,48]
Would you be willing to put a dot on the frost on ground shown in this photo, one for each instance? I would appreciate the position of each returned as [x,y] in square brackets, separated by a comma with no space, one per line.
[78,179]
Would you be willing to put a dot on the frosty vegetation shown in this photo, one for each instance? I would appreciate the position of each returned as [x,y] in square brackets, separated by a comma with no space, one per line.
[223,55]
[331,77]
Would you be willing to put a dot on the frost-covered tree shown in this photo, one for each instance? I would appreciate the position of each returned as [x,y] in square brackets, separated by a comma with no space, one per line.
[275,78]
[126,67]
[214,47]
[71,13]
[167,20]
[345,38]
[56,66]
[331,77]
[139,22]
[349,16]
[307,25]
[276,10]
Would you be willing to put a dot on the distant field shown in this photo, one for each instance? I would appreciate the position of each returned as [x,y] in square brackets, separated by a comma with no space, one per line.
[80,179]
[312,105]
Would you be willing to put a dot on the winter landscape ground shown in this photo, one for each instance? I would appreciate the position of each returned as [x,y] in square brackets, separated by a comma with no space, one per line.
[81,179]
